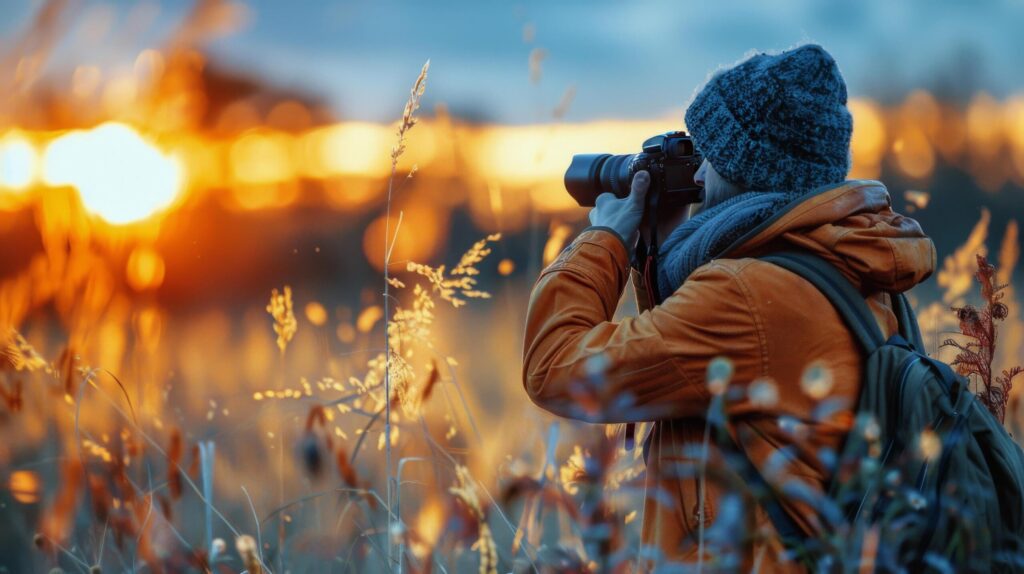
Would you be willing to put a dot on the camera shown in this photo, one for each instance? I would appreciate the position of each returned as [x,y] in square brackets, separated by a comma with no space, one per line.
[670,158]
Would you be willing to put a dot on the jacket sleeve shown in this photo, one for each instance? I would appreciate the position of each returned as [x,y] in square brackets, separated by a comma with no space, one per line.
[580,364]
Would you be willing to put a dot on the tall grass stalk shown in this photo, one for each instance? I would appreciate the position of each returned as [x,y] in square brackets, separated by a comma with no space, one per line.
[701,494]
[285,325]
[206,458]
[259,533]
[130,421]
[408,121]
[280,416]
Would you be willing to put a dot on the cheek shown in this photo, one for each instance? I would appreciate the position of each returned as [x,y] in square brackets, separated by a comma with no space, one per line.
[710,198]
[710,192]
[714,188]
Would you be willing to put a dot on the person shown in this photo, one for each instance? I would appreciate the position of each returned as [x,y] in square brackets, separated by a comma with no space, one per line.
[775,133]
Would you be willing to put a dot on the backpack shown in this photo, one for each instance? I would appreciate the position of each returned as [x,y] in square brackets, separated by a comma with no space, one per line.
[926,473]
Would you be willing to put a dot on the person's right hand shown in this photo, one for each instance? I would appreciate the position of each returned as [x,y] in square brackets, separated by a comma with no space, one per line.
[623,215]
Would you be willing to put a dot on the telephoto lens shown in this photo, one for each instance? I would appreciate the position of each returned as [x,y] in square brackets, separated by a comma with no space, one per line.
[671,159]
[591,174]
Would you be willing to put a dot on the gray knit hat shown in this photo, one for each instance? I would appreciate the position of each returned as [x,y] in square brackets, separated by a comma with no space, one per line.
[775,122]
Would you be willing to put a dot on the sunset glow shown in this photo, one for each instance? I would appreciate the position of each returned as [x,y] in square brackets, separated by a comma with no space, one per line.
[17,162]
[120,176]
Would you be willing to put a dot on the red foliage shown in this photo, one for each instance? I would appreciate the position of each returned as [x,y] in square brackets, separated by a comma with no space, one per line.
[975,357]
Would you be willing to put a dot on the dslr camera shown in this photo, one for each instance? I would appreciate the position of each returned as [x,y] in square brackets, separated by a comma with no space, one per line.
[670,158]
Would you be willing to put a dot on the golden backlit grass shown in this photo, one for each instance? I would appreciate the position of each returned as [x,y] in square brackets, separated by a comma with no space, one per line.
[103,413]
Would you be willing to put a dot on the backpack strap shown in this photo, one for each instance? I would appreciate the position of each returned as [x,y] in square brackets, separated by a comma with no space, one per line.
[837,289]
[909,328]
[853,309]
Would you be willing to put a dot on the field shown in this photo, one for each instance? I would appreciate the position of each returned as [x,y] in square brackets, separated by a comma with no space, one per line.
[238,333]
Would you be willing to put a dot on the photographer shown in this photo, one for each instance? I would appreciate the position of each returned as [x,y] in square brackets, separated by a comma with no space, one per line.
[774,132]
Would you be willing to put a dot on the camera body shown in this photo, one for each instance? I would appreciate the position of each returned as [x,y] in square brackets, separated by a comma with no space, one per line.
[671,159]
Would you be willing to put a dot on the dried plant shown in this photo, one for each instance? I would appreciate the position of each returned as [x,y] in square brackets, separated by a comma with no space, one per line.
[537,56]
[974,358]
[463,277]
[955,275]
[117,502]
[408,121]
[280,308]
[12,397]
[409,118]
[175,453]
[465,492]
[17,354]
[248,551]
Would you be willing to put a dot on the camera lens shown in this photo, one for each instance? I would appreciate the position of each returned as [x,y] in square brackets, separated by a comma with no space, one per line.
[671,158]
[615,175]
[590,175]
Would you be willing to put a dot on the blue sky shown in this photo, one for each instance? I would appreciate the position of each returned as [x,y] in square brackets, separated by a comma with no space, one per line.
[630,60]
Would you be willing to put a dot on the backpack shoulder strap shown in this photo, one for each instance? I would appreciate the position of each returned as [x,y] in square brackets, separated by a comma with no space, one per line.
[909,328]
[838,290]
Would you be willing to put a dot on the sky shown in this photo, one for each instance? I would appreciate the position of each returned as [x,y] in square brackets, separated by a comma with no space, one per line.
[624,59]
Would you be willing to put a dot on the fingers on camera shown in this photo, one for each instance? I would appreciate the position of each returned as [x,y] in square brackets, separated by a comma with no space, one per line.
[640,183]
[603,198]
[641,179]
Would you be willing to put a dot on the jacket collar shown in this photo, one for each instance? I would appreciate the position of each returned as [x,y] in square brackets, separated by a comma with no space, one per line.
[852,225]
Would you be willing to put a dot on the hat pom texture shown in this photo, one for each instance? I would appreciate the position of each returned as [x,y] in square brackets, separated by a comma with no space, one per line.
[775,122]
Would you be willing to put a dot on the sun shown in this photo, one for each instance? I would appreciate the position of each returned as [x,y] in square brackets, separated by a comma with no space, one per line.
[120,176]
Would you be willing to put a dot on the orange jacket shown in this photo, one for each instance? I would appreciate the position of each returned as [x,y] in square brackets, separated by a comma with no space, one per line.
[769,322]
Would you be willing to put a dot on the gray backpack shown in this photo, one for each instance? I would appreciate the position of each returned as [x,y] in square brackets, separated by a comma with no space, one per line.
[927,471]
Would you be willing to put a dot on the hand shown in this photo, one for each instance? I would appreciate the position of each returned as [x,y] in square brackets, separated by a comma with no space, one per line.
[623,215]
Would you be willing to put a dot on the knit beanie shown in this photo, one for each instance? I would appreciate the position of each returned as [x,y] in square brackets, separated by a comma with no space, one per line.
[775,122]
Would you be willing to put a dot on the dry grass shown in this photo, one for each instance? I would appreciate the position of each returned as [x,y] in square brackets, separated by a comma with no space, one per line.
[113,475]
[137,490]
[974,358]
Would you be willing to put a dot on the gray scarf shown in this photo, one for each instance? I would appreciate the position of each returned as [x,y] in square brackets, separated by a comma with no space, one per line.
[706,236]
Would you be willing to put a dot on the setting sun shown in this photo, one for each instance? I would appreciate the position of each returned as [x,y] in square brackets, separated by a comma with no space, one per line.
[17,162]
[121,177]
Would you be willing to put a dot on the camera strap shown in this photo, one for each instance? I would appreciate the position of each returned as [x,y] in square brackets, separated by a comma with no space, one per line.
[650,255]
[646,258]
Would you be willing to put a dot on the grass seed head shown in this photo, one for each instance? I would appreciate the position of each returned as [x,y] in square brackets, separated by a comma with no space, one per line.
[249,553]
[409,114]
[280,308]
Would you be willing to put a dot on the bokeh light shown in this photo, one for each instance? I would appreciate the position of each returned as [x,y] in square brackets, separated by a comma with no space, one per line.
[145,269]
[18,159]
[121,177]
[24,486]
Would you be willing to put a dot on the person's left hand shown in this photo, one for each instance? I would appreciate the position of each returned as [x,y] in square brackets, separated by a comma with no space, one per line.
[623,215]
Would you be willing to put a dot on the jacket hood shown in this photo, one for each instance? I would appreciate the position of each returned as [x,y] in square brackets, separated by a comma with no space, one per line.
[851,225]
